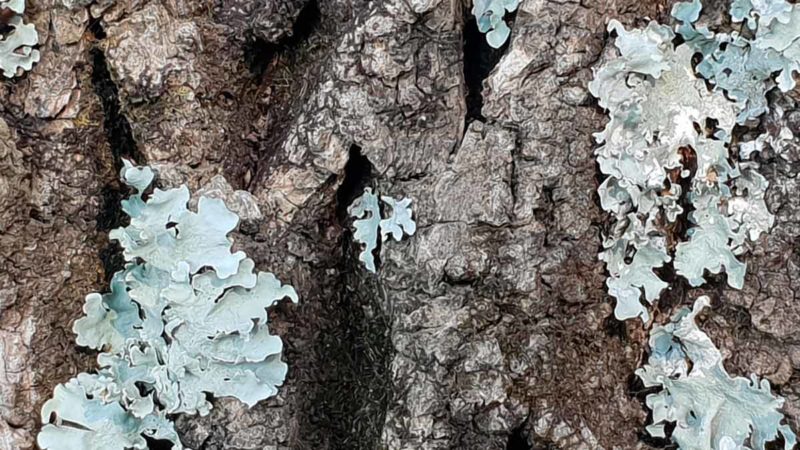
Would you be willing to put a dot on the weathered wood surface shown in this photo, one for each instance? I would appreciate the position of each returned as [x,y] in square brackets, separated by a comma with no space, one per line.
[491,327]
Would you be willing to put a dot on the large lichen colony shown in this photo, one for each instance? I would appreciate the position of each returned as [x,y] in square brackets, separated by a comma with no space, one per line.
[668,131]
[711,410]
[186,317]
[677,103]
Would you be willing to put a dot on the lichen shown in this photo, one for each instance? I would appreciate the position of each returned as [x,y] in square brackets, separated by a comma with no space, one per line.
[17,42]
[368,224]
[185,318]
[711,410]
[489,15]
[667,130]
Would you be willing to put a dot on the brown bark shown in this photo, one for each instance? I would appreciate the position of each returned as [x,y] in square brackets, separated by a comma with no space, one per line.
[489,329]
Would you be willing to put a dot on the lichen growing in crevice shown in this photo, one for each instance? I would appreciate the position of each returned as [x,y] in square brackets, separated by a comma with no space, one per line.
[357,176]
[684,201]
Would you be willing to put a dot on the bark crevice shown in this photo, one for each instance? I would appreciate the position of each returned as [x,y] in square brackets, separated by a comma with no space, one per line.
[479,61]
[121,143]
[117,128]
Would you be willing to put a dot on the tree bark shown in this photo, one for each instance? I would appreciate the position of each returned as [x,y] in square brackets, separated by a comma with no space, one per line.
[489,329]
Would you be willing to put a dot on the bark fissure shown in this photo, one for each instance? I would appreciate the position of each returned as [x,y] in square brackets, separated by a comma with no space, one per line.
[349,407]
[357,176]
[479,60]
[118,129]
[259,52]
[121,143]
[518,440]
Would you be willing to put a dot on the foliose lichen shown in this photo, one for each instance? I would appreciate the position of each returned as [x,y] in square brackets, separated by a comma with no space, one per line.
[710,409]
[185,318]
[668,132]
[489,14]
[397,223]
[17,42]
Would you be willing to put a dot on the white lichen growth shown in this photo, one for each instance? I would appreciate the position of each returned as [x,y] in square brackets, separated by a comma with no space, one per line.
[667,131]
[710,409]
[368,224]
[16,45]
[184,319]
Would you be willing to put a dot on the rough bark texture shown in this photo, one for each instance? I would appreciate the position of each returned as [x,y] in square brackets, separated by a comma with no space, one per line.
[489,329]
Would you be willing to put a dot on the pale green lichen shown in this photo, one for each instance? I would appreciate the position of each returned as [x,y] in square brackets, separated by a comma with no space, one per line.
[16,44]
[368,224]
[17,6]
[743,67]
[710,409]
[489,15]
[84,419]
[184,319]
[661,114]
[399,222]
[368,214]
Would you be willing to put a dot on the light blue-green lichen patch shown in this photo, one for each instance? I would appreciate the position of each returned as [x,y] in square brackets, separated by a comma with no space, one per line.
[662,114]
[369,225]
[17,6]
[768,11]
[489,15]
[109,319]
[185,319]
[139,178]
[708,248]
[687,12]
[710,409]
[627,283]
[367,211]
[16,46]
[399,222]
[166,233]
[743,67]
[79,422]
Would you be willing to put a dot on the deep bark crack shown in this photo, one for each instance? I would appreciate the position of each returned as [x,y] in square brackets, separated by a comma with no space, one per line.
[479,61]
[118,129]
[518,440]
[122,145]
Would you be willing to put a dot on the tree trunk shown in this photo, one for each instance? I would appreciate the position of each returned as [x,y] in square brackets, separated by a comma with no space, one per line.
[490,328]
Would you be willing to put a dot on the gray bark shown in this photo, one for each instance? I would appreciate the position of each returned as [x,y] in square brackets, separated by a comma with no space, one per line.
[489,329]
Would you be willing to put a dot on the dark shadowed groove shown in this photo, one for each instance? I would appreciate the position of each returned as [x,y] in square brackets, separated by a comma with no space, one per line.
[307,21]
[96,28]
[356,352]
[357,175]
[355,345]
[116,125]
[615,327]
[156,444]
[518,440]
[479,60]
[122,145]
[259,53]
